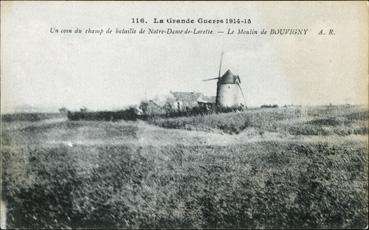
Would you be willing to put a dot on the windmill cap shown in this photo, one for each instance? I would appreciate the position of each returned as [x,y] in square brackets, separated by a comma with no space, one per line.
[229,78]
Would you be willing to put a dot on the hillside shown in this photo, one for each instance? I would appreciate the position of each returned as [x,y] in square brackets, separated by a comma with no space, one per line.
[263,168]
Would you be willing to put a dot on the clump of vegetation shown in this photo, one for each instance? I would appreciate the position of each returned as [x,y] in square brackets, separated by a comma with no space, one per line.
[227,122]
[363,116]
[213,121]
[269,106]
[332,121]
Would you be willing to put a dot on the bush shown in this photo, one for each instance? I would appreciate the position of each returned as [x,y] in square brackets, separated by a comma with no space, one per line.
[128,115]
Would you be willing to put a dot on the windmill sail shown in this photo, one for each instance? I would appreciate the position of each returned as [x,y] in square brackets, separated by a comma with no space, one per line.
[220,69]
[215,78]
[243,96]
[220,64]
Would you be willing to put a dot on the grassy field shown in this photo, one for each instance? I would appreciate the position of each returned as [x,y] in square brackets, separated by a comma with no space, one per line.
[303,167]
[324,120]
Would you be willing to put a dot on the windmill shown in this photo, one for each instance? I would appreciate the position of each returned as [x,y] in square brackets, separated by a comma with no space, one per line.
[229,91]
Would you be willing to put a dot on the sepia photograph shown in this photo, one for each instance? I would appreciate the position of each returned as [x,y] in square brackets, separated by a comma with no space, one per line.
[184,115]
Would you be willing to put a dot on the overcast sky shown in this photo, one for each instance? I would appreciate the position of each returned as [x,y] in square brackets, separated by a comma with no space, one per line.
[110,71]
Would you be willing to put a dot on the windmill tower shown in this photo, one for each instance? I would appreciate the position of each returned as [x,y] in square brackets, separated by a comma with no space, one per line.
[229,91]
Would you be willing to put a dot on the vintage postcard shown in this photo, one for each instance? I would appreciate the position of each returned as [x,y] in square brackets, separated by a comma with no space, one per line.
[184,115]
